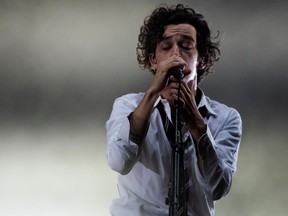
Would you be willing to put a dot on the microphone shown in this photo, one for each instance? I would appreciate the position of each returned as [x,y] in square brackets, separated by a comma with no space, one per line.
[176,72]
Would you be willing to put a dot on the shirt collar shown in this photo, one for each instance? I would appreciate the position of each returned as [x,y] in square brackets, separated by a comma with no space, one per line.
[166,106]
[204,103]
[157,101]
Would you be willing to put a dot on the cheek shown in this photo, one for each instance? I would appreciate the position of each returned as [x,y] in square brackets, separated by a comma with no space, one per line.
[157,52]
[160,57]
[192,74]
[193,66]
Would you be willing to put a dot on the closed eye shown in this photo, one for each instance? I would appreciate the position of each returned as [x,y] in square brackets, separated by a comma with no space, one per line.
[187,45]
[165,46]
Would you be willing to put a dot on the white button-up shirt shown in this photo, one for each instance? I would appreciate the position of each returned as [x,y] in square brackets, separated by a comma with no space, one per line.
[144,172]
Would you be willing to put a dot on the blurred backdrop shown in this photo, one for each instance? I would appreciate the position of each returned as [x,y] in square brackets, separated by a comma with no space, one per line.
[63,63]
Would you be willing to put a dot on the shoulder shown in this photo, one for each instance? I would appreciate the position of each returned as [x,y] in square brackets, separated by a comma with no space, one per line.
[131,99]
[219,107]
[125,104]
[224,118]
[223,111]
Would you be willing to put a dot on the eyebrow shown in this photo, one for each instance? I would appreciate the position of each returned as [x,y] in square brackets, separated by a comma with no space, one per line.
[186,37]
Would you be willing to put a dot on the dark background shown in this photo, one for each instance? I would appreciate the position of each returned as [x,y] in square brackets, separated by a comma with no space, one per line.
[63,63]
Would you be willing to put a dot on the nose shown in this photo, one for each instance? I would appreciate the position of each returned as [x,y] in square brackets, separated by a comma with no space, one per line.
[175,50]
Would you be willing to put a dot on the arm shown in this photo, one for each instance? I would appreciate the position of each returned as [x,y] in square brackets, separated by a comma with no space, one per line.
[128,125]
[121,153]
[218,155]
[126,130]
[139,118]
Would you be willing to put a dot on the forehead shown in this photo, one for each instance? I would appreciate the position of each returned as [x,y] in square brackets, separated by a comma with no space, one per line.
[180,29]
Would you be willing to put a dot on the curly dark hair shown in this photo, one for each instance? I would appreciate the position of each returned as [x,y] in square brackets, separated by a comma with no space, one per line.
[153,29]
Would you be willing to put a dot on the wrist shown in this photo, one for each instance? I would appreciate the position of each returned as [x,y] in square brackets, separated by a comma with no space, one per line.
[198,130]
[152,95]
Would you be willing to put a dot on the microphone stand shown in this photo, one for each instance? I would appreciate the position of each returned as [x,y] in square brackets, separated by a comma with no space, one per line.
[176,156]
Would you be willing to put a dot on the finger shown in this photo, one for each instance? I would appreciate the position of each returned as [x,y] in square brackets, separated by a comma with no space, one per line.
[173,79]
[187,90]
[174,85]
[178,60]
[171,62]
[174,91]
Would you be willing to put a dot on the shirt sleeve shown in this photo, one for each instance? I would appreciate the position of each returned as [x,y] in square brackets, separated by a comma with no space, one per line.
[219,155]
[121,153]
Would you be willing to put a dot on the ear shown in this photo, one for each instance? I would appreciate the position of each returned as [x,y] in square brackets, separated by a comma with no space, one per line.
[153,61]
[200,63]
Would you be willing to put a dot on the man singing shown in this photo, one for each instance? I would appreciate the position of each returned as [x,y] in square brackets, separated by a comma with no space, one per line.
[138,142]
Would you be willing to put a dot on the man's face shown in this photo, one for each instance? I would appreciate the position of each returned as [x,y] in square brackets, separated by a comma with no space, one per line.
[179,40]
